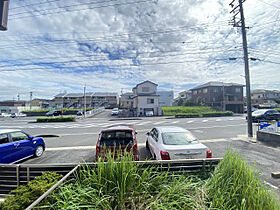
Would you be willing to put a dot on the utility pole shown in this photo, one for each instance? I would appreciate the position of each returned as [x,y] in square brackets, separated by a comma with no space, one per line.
[85,100]
[241,23]
[4,8]
[30,100]
[18,96]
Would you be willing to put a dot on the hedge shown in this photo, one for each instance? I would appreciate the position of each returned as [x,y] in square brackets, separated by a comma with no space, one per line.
[179,110]
[25,195]
[186,115]
[56,119]
[217,114]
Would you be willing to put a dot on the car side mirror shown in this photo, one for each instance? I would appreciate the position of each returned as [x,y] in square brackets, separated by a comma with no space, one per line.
[135,132]
[30,137]
[148,133]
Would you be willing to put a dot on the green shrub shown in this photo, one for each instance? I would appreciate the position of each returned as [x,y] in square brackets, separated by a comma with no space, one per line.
[278,109]
[217,114]
[179,110]
[186,115]
[24,195]
[236,185]
[57,119]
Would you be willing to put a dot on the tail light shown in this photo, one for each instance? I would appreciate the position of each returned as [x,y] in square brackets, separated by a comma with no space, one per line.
[135,147]
[208,154]
[164,155]
[97,148]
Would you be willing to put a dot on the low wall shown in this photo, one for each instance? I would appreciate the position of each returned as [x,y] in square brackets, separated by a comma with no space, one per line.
[268,137]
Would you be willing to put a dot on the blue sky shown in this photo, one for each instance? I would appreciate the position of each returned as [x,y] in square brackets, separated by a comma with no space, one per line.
[53,46]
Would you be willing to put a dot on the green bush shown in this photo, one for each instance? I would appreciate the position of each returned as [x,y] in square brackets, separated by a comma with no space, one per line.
[57,119]
[179,110]
[278,109]
[217,114]
[236,185]
[24,195]
[182,115]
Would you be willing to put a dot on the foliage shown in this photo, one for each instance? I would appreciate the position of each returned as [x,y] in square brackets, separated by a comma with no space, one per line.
[236,185]
[174,110]
[278,109]
[182,115]
[217,114]
[24,195]
[125,185]
[57,119]
[47,110]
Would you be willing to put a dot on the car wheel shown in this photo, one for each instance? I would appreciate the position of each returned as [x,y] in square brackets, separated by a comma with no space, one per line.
[39,151]
[147,146]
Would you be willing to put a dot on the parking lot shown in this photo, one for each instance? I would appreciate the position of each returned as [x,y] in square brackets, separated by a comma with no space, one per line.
[76,140]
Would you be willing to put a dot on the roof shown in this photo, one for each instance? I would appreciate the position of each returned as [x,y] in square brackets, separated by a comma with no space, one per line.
[265,91]
[8,130]
[145,82]
[118,127]
[217,84]
[105,94]
[165,129]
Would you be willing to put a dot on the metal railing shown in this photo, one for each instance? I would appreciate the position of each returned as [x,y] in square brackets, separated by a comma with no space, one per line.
[23,173]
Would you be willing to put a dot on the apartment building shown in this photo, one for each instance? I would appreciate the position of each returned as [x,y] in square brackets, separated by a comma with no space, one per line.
[219,95]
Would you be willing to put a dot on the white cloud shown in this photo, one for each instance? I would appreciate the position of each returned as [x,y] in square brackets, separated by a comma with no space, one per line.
[189,37]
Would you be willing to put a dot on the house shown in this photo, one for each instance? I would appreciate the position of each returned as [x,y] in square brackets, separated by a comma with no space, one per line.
[182,98]
[126,100]
[265,98]
[219,95]
[145,99]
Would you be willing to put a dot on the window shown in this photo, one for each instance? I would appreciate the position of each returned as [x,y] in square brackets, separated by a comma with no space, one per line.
[214,99]
[154,134]
[4,138]
[150,100]
[17,136]
[215,90]
[145,89]
[195,92]
[205,90]
[237,90]
[199,91]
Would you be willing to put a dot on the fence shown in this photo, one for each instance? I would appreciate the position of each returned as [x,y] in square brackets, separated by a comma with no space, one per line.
[11,176]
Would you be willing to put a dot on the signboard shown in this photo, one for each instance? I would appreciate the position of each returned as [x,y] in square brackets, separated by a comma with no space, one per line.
[4,7]
[269,126]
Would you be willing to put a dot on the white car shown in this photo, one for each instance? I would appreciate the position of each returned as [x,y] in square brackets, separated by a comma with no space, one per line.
[115,111]
[170,142]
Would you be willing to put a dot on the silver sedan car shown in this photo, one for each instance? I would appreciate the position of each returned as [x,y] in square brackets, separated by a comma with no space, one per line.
[170,142]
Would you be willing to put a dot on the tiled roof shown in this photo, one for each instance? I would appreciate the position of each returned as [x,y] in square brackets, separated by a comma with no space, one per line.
[217,84]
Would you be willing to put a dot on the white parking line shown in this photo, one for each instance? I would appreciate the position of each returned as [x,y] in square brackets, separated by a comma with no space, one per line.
[174,122]
[158,123]
[218,120]
[204,120]
[190,121]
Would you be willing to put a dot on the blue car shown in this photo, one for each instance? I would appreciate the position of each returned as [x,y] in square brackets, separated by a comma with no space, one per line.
[16,145]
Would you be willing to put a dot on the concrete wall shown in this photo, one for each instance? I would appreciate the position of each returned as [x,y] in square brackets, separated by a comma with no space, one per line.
[268,137]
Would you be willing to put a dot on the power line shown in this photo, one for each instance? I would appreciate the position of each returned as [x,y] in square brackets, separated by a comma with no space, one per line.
[111,66]
[277,7]
[107,59]
[30,5]
[75,10]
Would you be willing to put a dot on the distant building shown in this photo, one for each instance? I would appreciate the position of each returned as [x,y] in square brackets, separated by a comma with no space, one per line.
[126,100]
[145,99]
[182,97]
[265,98]
[77,100]
[165,98]
[219,95]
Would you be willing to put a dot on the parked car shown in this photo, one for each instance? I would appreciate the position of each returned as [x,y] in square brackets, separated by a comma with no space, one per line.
[265,114]
[13,115]
[53,113]
[80,112]
[149,113]
[16,145]
[117,139]
[252,109]
[170,142]
[115,111]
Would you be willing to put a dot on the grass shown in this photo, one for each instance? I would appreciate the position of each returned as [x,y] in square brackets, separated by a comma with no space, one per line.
[236,185]
[126,185]
[56,119]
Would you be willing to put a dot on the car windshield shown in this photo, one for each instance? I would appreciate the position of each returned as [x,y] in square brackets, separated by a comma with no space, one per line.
[116,138]
[260,111]
[115,109]
[177,138]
